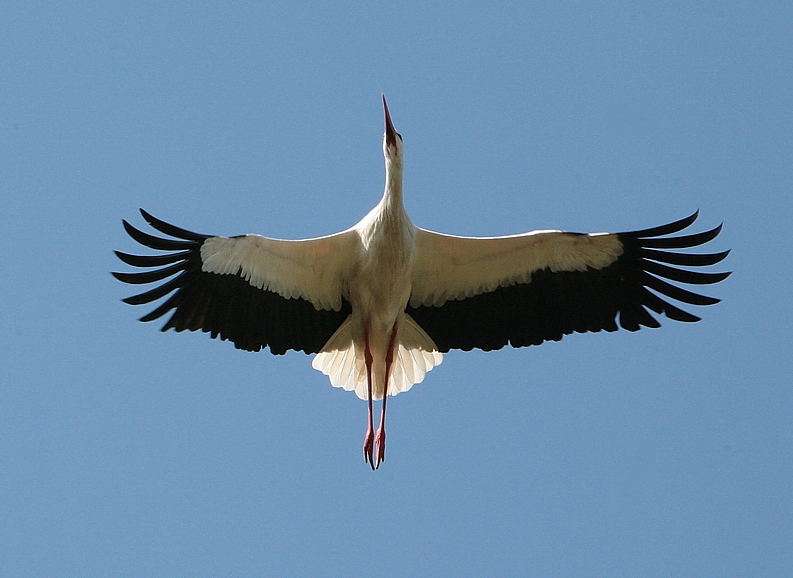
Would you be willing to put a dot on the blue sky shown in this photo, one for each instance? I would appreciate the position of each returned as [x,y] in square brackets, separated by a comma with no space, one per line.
[125,451]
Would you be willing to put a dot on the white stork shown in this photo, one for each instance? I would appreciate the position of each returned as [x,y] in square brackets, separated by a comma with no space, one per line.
[380,302]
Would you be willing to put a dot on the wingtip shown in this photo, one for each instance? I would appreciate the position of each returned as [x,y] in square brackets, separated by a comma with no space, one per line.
[122,256]
[689,220]
[711,234]
[723,254]
[131,230]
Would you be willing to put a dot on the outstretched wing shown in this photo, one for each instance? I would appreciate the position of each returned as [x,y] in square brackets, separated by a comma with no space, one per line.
[251,290]
[525,289]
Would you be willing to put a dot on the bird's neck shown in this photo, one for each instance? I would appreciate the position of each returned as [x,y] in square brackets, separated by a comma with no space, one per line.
[392,194]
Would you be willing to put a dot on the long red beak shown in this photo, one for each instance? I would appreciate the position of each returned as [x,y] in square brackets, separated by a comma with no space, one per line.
[390,131]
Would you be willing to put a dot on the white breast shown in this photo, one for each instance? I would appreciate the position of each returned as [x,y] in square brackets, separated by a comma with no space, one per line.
[380,286]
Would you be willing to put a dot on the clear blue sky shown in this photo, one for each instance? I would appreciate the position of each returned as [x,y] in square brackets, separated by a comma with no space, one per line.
[125,451]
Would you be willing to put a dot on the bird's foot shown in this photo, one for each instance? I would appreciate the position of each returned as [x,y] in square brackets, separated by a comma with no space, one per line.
[379,442]
[368,448]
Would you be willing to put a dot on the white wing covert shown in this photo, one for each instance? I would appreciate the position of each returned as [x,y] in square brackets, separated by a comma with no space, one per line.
[450,268]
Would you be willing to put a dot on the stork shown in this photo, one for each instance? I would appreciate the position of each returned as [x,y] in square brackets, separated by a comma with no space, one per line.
[381,301]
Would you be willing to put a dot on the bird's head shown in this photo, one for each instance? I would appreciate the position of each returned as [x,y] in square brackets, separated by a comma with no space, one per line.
[392,140]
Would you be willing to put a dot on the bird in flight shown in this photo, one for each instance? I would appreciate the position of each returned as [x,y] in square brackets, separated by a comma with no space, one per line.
[382,301]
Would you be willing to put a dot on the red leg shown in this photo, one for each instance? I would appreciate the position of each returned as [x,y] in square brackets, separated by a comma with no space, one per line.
[379,439]
[368,440]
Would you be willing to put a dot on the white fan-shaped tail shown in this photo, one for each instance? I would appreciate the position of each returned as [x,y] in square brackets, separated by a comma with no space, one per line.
[342,360]
[415,355]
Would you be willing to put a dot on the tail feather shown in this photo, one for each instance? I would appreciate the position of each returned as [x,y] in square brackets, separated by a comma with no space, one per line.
[343,362]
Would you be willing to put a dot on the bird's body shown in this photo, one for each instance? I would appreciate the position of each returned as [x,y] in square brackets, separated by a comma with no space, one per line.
[381,301]
[379,284]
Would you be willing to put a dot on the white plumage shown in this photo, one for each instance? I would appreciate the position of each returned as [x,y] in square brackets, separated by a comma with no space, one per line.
[312,269]
[453,268]
[380,302]
[342,360]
